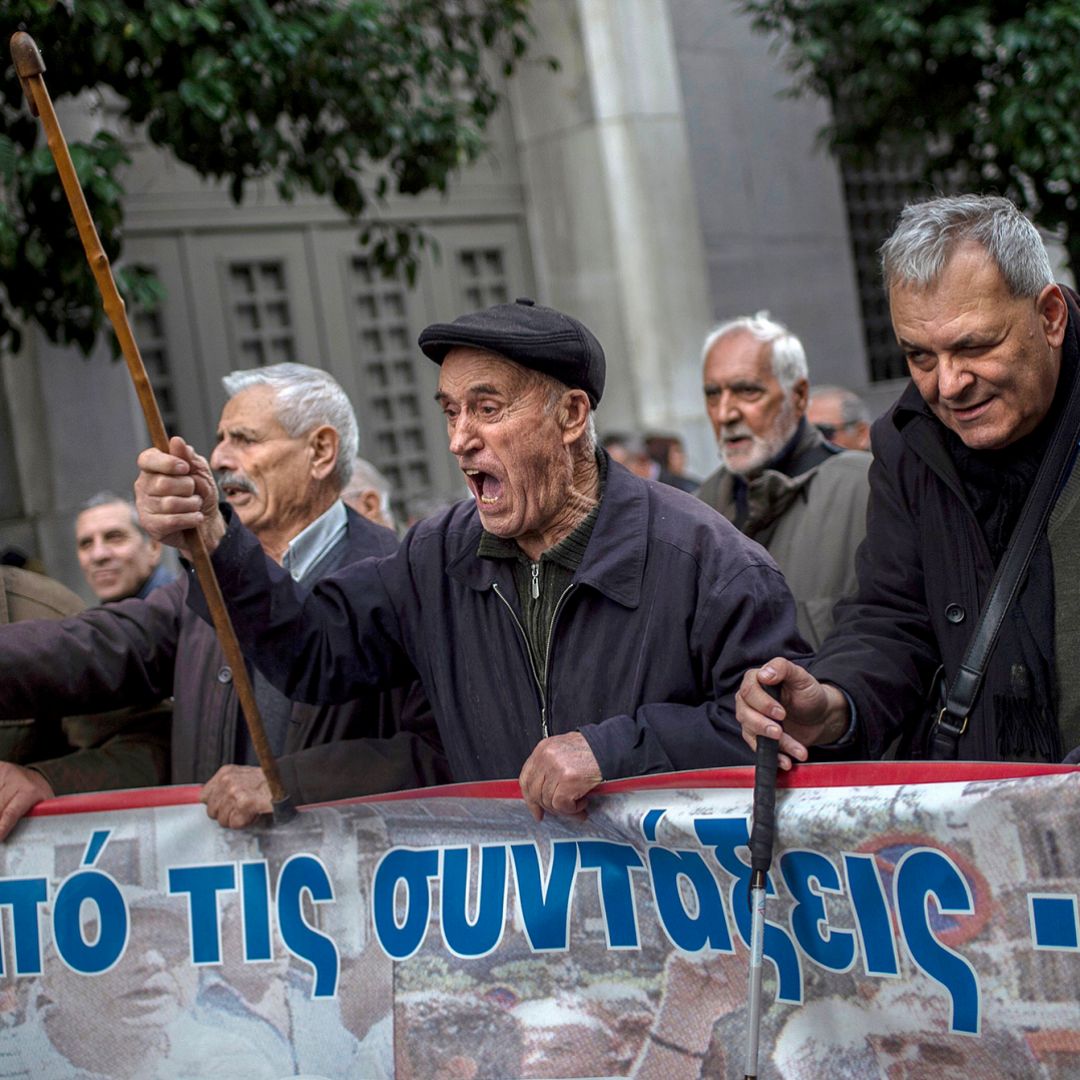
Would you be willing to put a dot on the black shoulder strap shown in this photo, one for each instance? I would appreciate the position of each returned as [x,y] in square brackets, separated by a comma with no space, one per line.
[952,721]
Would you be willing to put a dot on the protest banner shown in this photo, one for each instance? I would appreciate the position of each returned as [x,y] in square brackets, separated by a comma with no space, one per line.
[922,921]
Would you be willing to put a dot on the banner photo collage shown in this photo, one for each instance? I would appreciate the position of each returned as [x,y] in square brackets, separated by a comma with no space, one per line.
[922,922]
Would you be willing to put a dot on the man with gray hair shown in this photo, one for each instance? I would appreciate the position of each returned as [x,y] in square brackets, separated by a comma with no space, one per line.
[117,558]
[841,416]
[992,345]
[780,482]
[285,446]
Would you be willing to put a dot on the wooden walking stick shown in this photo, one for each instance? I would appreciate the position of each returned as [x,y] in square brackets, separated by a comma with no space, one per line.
[29,66]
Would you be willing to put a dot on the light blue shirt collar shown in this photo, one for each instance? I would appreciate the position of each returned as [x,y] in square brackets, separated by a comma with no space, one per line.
[309,546]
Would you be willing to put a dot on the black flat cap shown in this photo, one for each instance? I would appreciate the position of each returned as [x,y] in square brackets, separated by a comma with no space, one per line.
[535,337]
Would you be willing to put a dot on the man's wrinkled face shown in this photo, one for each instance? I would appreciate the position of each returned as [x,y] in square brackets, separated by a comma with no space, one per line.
[115,556]
[262,471]
[751,414]
[507,441]
[984,361]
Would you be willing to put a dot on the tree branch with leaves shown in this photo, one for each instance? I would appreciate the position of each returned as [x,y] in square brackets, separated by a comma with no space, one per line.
[355,100]
[979,94]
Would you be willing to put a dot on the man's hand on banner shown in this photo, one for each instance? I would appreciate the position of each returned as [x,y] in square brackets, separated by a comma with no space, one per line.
[236,795]
[175,492]
[557,778]
[811,712]
[20,789]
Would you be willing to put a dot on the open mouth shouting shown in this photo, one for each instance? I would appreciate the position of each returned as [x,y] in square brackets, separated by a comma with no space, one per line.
[485,487]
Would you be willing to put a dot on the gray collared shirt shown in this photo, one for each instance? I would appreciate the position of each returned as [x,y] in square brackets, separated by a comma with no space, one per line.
[309,546]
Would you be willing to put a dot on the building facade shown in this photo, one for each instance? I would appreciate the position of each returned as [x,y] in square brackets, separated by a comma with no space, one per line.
[654,184]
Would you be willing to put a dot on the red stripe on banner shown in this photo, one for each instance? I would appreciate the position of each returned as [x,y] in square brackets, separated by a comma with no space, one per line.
[133,799]
[823,775]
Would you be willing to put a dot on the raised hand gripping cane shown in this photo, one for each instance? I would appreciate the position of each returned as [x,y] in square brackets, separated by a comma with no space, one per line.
[29,66]
[761,849]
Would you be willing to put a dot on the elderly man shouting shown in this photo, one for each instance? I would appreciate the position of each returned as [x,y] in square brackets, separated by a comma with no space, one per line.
[571,623]
[286,442]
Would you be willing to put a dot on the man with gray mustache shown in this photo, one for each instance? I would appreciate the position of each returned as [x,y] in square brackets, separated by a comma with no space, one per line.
[285,447]
[800,497]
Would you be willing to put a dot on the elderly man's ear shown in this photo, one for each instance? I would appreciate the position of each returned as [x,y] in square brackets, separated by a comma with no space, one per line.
[800,393]
[1054,313]
[367,503]
[573,415]
[323,443]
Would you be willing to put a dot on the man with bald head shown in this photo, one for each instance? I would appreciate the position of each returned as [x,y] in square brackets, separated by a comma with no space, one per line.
[570,622]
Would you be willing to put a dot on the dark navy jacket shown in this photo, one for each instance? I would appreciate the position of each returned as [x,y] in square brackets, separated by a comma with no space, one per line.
[668,608]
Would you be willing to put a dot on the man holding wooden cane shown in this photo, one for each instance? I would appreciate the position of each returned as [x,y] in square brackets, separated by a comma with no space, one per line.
[286,441]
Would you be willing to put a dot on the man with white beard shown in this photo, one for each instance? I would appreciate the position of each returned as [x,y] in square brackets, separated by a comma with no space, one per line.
[780,483]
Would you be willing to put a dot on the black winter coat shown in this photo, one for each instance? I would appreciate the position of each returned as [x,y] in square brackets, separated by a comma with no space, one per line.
[924,571]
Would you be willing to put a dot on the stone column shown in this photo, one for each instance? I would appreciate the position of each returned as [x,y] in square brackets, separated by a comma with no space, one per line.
[612,211]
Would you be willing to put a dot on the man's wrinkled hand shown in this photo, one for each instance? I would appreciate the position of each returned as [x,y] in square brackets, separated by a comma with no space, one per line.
[557,778]
[236,795]
[809,711]
[20,789]
[175,492]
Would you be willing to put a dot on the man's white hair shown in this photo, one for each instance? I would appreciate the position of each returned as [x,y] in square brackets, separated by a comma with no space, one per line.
[787,354]
[306,398]
[927,233]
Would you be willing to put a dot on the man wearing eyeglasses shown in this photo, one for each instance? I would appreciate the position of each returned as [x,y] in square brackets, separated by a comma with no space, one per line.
[780,482]
[841,416]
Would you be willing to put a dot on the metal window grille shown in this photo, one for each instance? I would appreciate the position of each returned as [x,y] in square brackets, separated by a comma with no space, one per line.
[875,194]
[149,330]
[394,418]
[482,277]
[258,306]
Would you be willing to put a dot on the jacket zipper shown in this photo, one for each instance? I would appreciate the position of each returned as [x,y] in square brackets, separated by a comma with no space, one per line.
[547,652]
[540,686]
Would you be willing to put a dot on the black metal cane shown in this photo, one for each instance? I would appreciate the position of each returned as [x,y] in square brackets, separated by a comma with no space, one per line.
[761,850]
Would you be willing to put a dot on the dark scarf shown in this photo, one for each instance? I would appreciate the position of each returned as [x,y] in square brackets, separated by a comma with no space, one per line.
[762,501]
[1021,676]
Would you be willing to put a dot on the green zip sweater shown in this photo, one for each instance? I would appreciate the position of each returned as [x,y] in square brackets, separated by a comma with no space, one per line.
[542,584]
